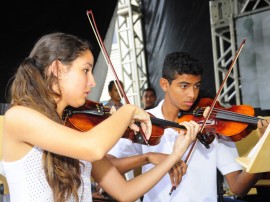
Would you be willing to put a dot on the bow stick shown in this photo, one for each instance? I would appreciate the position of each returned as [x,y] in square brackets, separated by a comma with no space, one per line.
[217,95]
[140,136]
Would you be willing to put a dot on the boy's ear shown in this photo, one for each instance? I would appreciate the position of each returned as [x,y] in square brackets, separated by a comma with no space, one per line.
[164,84]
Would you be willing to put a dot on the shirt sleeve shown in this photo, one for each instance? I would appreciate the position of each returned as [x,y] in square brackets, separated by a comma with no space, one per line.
[227,154]
[125,148]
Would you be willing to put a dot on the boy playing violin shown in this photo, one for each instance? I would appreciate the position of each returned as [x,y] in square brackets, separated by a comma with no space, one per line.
[180,82]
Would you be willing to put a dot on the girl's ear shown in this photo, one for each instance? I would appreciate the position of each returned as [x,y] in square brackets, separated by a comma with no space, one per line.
[164,84]
[56,69]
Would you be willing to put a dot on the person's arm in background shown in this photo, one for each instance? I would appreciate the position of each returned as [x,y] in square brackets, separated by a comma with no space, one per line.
[127,164]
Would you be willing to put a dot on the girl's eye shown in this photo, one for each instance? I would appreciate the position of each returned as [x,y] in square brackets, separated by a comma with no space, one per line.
[86,70]
[198,86]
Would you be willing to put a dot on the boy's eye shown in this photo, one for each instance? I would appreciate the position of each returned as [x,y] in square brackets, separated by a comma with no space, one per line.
[183,86]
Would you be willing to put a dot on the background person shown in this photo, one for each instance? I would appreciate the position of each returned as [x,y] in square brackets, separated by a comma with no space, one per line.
[115,99]
[149,98]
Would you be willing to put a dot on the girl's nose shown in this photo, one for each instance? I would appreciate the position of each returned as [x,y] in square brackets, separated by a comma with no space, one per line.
[91,81]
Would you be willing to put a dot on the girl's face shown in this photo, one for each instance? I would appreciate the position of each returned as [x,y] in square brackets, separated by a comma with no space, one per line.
[76,81]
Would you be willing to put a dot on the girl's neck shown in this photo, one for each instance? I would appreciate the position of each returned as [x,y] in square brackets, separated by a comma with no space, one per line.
[60,107]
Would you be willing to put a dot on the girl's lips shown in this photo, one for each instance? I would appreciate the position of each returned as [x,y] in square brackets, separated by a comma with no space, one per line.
[86,94]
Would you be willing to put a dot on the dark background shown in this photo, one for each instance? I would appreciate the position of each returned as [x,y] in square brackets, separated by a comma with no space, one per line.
[178,26]
[168,26]
[24,22]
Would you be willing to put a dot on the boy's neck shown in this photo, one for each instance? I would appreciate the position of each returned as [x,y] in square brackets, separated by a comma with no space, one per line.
[169,112]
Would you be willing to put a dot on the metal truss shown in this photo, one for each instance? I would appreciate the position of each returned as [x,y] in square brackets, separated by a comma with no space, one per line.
[131,49]
[223,14]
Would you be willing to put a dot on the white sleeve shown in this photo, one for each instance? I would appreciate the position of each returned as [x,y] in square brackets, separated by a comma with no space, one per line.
[227,154]
[124,148]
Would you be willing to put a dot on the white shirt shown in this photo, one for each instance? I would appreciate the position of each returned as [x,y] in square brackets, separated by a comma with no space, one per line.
[27,181]
[200,182]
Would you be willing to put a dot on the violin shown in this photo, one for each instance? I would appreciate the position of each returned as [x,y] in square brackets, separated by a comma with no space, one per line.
[231,124]
[92,113]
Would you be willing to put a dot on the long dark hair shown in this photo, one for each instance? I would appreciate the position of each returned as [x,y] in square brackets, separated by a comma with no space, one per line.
[33,87]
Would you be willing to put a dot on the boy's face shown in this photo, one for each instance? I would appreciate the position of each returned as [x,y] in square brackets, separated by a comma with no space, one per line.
[182,92]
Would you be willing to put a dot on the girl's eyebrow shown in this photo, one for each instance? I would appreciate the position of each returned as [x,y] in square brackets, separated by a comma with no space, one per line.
[90,65]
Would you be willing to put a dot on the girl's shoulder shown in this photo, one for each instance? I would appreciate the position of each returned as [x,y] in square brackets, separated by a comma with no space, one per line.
[15,109]
[18,110]
[20,115]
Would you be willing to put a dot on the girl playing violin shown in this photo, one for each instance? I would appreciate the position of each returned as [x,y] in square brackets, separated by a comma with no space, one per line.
[47,161]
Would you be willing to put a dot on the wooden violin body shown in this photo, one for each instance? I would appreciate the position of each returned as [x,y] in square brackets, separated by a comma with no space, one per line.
[233,124]
[92,113]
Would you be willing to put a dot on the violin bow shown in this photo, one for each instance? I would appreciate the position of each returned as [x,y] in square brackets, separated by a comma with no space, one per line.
[140,136]
[217,95]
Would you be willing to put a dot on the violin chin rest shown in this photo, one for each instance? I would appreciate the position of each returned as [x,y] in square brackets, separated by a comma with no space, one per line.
[206,139]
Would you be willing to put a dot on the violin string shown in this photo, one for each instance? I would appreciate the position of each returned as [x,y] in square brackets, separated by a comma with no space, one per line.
[238,116]
[232,116]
